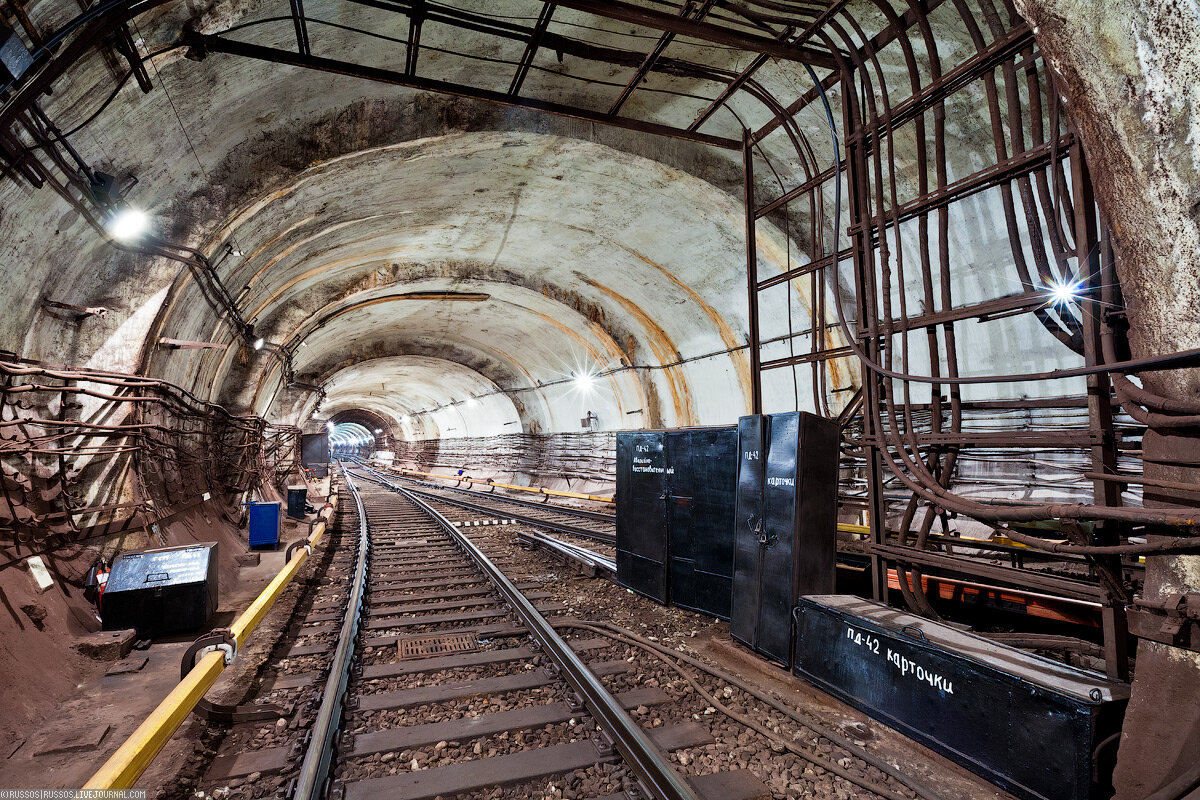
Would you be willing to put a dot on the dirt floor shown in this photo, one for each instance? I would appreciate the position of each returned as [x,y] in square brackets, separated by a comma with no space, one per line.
[78,725]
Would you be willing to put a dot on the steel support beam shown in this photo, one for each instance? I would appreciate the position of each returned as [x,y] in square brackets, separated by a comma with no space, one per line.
[535,39]
[756,405]
[1100,416]
[648,62]
[639,15]
[218,44]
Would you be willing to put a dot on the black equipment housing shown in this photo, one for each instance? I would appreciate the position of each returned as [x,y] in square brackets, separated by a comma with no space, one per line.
[1026,723]
[675,502]
[161,591]
[785,530]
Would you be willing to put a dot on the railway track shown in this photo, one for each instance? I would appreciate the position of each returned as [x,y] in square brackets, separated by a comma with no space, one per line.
[435,670]
[593,525]
[587,540]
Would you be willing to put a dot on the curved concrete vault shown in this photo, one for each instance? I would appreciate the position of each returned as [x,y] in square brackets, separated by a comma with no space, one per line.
[567,246]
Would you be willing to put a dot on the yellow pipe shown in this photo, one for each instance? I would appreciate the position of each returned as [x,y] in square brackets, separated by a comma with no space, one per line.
[132,758]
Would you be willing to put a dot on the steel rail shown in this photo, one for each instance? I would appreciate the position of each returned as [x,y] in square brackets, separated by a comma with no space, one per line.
[641,755]
[560,527]
[584,558]
[574,512]
[126,765]
[314,770]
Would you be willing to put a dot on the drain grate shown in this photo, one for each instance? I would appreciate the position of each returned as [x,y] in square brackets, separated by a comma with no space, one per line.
[419,646]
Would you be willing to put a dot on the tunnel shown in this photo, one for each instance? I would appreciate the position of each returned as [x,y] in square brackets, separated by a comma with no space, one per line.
[271,267]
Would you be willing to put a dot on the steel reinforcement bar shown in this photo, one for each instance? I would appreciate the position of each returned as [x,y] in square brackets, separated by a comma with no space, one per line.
[132,758]
[646,761]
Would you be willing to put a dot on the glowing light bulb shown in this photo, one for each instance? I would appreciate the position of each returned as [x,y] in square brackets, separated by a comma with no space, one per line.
[259,343]
[1063,292]
[584,381]
[128,224]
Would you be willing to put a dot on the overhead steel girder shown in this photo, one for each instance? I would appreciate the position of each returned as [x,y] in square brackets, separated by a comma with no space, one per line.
[204,44]
[706,31]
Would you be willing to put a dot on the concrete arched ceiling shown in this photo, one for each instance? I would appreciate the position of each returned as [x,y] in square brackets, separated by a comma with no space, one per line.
[340,190]
[572,245]
[400,388]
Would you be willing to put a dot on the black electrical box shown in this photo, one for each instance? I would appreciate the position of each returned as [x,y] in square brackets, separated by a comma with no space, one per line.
[1028,724]
[15,59]
[314,453]
[785,532]
[675,502]
[297,499]
[701,484]
[161,591]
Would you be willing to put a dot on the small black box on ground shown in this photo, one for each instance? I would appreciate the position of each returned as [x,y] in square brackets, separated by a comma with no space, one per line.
[1026,723]
[297,500]
[161,591]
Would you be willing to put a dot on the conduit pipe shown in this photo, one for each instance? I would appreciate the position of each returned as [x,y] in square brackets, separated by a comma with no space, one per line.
[133,757]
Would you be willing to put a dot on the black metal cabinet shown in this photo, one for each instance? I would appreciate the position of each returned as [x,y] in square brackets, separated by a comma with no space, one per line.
[701,471]
[314,453]
[642,514]
[675,501]
[1026,723]
[161,591]
[785,541]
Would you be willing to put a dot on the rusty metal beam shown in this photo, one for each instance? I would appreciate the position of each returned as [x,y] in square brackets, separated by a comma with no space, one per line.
[638,15]
[805,269]
[218,44]
[648,62]
[752,320]
[807,358]
[1031,160]
[1026,301]
[535,39]
[983,62]
[812,183]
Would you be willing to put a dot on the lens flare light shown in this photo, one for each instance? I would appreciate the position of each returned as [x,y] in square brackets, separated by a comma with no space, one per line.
[1063,293]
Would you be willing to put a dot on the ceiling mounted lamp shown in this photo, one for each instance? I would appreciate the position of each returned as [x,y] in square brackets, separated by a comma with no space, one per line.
[1062,293]
[127,224]
[584,381]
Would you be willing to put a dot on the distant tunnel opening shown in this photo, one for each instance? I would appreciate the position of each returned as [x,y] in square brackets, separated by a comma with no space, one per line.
[350,440]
